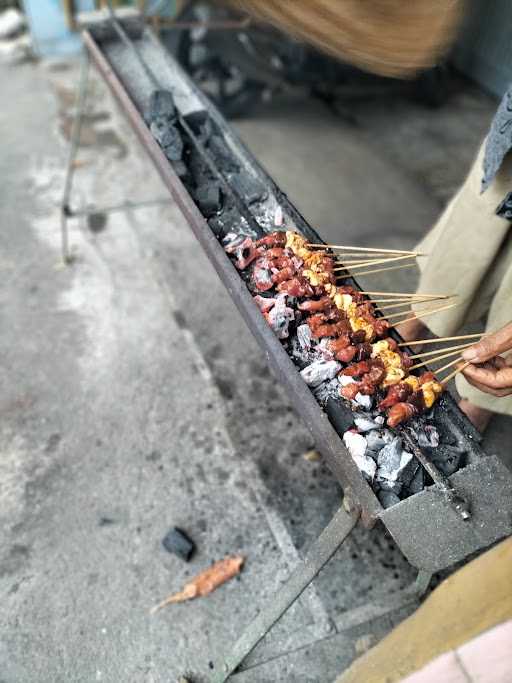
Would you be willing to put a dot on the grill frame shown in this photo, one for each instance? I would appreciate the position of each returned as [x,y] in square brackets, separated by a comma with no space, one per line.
[489,524]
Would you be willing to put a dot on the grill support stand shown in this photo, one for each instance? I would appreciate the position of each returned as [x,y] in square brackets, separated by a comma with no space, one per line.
[318,555]
[66,212]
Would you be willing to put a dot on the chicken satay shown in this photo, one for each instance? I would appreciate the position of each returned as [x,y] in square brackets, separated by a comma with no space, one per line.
[283,275]
[401,412]
[350,391]
[347,354]
[397,393]
[311,306]
[338,344]
[357,369]
[296,286]
[262,275]
[274,239]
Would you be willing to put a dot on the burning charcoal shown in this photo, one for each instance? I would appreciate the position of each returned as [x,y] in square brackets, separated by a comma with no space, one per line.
[168,137]
[161,104]
[280,317]
[426,436]
[377,439]
[319,371]
[364,401]
[366,424]
[417,483]
[339,414]
[345,379]
[390,486]
[178,543]
[446,458]
[304,337]
[265,303]
[325,391]
[389,458]
[356,446]
[355,443]
[248,187]
[387,498]
[209,198]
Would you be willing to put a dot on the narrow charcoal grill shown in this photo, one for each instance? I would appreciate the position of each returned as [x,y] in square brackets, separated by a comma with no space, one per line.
[221,188]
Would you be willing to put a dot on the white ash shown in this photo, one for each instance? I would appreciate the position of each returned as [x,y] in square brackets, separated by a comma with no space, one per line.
[377,439]
[304,337]
[396,467]
[389,458]
[323,392]
[365,423]
[320,371]
[427,436]
[280,317]
[323,349]
[364,401]
[356,446]
[344,380]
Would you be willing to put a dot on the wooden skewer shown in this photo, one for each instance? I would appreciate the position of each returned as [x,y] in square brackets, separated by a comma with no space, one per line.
[434,353]
[442,339]
[401,305]
[434,360]
[455,372]
[422,314]
[407,299]
[376,262]
[359,254]
[370,249]
[376,270]
[413,295]
[449,365]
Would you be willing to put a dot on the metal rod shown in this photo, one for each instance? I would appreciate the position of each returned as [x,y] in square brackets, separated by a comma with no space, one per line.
[73,149]
[458,502]
[319,553]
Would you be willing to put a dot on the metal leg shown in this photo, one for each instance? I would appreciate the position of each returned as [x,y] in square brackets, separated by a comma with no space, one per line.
[318,555]
[73,149]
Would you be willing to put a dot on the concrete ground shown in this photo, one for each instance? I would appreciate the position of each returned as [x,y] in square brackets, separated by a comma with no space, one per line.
[132,397]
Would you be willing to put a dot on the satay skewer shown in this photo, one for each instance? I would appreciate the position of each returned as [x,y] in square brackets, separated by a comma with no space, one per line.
[376,270]
[340,247]
[434,360]
[455,372]
[406,303]
[421,314]
[412,295]
[460,359]
[442,339]
[375,262]
[437,351]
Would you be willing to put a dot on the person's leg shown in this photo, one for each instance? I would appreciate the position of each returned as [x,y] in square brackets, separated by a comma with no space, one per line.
[461,247]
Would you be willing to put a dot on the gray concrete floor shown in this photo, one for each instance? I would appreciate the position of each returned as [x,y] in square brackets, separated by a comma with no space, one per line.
[132,397]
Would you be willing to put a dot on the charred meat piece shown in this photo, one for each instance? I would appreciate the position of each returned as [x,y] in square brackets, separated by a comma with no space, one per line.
[316,305]
[245,253]
[358,337]
[350,391]
[338,344]
[264,303]
[347,354]
[283,275]
[397,393]
[381,327]
[363,352]
[401,412]
[274,239]
[262,275]
[297,286]
[357,369]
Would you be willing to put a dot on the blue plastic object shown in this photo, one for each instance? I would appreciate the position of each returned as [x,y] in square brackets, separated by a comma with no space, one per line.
[50,33]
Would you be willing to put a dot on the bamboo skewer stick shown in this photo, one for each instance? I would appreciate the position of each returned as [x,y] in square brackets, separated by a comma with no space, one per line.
[449,365]
[437,351]
[455,372]
[397,299]
[434,360]
[367,249]
[442,339]
[376,270]
[376,262]
[422,314]
[412,295]
[401,305]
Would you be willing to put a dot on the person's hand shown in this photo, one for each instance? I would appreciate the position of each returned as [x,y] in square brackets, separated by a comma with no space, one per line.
[489,371]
